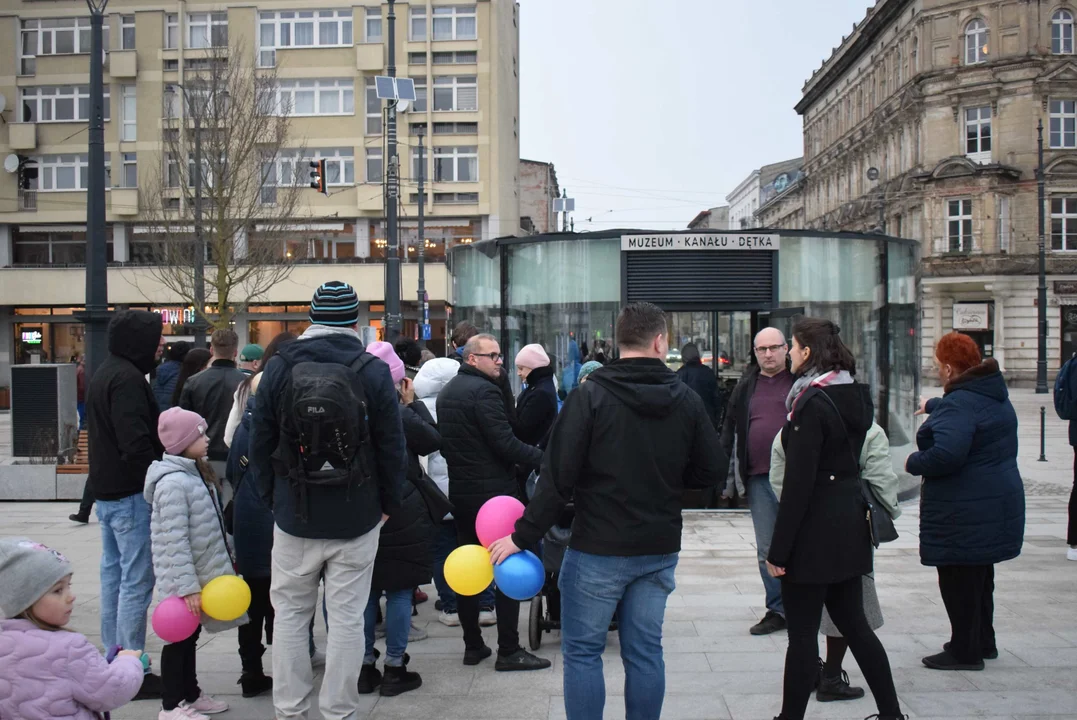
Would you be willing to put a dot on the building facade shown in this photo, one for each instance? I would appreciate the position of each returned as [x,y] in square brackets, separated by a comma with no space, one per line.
[324,55]
[538,189]
[924,120]
[717,218]
[757,189]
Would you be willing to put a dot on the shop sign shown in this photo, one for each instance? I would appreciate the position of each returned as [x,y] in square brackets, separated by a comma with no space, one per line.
[971,316]
[1065,287]
[32,337]
[176,316]
[701,241]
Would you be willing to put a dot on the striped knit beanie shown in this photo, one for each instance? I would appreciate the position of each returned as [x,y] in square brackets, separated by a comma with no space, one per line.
[335,303]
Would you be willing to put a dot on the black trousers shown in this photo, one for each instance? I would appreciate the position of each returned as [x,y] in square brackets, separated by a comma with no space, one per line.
[803,613]
[467,607]
[261,616]
[179,681]
[1071,531]
[87,500]
[968,591]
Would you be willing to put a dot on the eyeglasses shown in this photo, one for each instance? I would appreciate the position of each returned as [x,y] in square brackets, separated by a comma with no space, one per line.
[493,356]
[769,348]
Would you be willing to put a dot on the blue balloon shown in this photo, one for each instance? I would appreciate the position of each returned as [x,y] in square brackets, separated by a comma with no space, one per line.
[520,576]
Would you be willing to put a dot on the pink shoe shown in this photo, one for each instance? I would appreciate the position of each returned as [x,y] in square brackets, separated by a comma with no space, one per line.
[180,712]
[207,705]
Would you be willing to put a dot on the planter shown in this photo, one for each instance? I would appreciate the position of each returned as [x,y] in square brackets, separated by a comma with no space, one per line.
[20,481]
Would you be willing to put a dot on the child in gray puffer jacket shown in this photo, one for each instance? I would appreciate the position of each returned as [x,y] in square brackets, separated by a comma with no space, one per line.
[189,550]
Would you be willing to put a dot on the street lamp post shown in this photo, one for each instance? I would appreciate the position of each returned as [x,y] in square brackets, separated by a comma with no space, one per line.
[96,316]
[200,240]
[393,318]
[1041,297]
[424,306]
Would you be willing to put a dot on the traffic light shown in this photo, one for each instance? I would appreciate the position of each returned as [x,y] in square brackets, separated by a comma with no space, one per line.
[317,176]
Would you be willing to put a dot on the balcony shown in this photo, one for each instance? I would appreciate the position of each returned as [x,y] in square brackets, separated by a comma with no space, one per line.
[28,200]
[22,136]
[123,201]
[952,247]
[369,56]
[123,64]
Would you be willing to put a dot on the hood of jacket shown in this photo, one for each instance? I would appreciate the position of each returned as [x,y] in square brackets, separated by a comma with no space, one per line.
[434,375]
[854,404]
[331,346]
[135,335]
[984,379]
[166,466]
[645,385]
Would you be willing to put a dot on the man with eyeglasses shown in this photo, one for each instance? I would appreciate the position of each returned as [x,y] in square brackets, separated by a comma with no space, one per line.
[482,453]
[755,415]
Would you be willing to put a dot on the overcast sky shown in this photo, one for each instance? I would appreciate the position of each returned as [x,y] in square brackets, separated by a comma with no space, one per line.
[652,110]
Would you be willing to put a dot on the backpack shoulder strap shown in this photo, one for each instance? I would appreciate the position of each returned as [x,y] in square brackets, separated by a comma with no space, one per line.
[362,361]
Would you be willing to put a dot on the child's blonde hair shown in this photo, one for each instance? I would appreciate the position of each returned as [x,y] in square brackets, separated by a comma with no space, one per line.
[28,614]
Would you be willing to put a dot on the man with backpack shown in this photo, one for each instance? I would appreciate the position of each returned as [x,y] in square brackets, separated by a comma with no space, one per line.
[327,450]
[1066,407]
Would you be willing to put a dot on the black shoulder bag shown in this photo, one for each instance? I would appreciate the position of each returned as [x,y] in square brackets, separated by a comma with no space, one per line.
[880,524]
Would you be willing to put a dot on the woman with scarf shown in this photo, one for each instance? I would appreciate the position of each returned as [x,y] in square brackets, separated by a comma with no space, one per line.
[821,546]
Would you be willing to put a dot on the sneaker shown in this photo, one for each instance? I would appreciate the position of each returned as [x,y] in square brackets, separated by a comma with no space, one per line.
[1071,553]
[487,618]
[208,705]
[476,656]
[449,619]
[420,596]
[189,713]
[254,684]
[988,653]
[416,634]
[179,713]
[151,688]
[772,622]
[317,660]
[369,679]
[520,660]
[834,689]
[946,661]
[398,680]
[76,517]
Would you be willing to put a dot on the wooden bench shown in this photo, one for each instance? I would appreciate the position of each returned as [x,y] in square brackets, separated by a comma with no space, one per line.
[81,466]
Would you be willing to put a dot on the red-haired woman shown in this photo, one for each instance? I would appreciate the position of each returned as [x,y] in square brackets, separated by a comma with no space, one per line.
[972,501]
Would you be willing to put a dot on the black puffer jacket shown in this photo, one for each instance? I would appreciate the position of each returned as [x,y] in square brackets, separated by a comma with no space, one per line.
[477,441]
[211,393]
[405,550]
[536,408]
[121,412]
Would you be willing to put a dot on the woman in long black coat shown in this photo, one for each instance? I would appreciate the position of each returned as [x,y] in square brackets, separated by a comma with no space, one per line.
[536,408]
[821,545]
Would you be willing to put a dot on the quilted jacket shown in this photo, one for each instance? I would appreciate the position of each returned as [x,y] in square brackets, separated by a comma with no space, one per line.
[187,533]
[47,675]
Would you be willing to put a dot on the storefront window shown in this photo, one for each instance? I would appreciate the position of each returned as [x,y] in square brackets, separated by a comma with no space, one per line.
[52,248]
[38,342]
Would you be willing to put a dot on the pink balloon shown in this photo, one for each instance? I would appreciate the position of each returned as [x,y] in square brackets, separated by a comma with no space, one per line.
[497,518]
[172,621]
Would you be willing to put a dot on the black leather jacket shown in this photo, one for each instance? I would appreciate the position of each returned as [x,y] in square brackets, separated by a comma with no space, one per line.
[211,393]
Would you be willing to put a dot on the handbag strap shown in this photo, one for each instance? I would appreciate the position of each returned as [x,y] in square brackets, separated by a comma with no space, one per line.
[848,441]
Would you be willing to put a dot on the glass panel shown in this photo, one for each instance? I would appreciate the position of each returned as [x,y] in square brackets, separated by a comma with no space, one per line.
[442,28]
[329,101]
[304,33]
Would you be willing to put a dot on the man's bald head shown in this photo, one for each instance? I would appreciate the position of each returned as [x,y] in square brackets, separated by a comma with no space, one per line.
[771,351]
[769,336]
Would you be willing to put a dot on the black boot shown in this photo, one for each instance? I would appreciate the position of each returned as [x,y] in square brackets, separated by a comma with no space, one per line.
[989,653]
[255,683]
[79,517]
[398,680]
[369,679]
[833,689]
[946,661]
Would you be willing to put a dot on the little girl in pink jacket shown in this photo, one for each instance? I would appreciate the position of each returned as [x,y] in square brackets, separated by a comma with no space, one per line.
[47,672]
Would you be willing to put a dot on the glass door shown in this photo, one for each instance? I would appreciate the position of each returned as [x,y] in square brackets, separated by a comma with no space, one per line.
[690,327]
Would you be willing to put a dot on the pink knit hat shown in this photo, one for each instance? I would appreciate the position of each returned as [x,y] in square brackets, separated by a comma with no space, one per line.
[385,351]
[179,428]
[532,356]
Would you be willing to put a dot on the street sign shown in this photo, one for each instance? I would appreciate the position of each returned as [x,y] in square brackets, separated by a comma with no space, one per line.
[426,332]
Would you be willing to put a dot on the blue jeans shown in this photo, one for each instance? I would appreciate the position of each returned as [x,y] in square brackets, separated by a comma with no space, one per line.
[593,587]
[444,543]
[764,506]
[397,625]
[126,571]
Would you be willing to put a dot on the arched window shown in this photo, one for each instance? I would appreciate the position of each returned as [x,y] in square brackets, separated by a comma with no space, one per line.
[976,42]
[1062,33]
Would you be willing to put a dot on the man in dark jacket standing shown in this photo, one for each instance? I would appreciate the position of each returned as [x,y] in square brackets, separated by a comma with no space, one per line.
[329,530]
[625,446]
[702,379]
[481,452]
[164,382]
[755,415]
[211,393]
[122,418]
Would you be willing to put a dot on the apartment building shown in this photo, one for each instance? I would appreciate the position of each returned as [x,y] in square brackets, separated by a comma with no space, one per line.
[324,54]
[928,110]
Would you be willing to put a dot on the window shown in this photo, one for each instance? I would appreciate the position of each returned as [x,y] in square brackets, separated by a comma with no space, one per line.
[456,198]
[415,167]
[127,32]
[978,133]
[129,178]
[171,103]
[456,164]
[461,128]
[976,42]
[293,166]
[302,29]
[206,30]
[1064,223]
[129,111]
[1062,33]
[373,108]
[374,168]
[959,225]
[456,58]
[420,94]
[455,23]
[59,36]
[456,93]
[416,58]
[172,65]
[171,31]
[59,173]
[69,103]
[372,25]
[1063,124]
[417,23]
[315,97]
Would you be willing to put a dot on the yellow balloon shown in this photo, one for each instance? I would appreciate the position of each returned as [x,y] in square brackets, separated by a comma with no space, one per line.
[468,570]
[226,597]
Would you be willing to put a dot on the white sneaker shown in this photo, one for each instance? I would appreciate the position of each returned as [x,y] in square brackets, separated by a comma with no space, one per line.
[449,619]
[1071,553]
[178,713]
[208,705]
[488,618]
[416,634]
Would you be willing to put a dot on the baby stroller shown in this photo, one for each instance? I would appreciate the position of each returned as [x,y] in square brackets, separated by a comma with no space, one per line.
[546,606]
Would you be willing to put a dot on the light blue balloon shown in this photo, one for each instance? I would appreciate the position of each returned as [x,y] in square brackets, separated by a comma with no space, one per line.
[520,576]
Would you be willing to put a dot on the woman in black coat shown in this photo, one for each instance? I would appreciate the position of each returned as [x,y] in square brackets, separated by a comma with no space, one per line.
[701,379]
[821,545]
[536,408]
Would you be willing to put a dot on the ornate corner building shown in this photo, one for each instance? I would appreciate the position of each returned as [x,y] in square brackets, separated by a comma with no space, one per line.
[924,121]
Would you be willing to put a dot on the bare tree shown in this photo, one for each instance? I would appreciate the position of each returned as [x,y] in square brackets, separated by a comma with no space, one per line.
[229,112]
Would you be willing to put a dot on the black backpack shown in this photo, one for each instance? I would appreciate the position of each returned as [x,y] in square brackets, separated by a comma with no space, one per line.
[324,427]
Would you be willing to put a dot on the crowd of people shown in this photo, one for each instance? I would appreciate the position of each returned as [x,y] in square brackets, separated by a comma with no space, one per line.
[320,467]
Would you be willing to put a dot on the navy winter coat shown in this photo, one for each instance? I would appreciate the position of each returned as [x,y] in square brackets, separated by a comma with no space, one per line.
[252,520]
[536,408]
[165,382]
[972,501]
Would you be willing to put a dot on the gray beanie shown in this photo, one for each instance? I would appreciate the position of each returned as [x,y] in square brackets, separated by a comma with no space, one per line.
[27,571]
